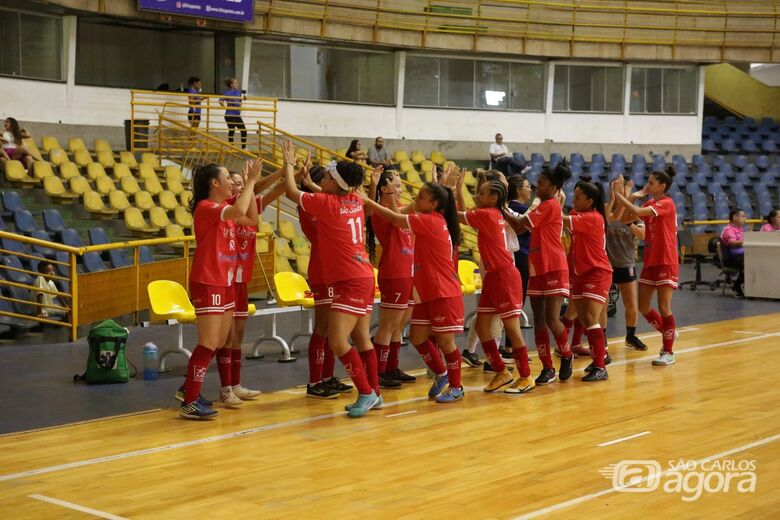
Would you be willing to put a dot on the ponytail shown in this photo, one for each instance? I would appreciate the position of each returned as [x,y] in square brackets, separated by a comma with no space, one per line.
[446,205]
[384,180]
[595,192]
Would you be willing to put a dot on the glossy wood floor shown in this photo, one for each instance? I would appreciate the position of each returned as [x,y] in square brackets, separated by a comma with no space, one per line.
[489,456]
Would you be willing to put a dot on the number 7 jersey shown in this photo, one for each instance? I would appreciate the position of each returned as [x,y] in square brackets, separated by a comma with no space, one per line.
[340,235]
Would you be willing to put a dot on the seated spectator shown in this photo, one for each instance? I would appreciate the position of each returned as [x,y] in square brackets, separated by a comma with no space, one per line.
[502,159]
[12,148]
[48,300]
[194,86]
[377,154]
[731,240]
[355,153]
[772,221]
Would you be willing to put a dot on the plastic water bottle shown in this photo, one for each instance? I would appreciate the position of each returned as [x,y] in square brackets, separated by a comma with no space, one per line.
[150,361]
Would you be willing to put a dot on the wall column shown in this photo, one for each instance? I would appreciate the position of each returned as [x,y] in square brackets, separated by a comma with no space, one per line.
[69,25]
[243,60]
[400,67]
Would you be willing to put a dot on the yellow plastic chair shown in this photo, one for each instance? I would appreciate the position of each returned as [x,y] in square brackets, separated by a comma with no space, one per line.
[466,270]
[266,227]
[176,231]
[301,246]
[146,171]
[438,158]
[292,290]
[414,178]
[95,171]
[128,159]
[283,265]
[153,186]
[121,170]
[135,222]
[469,179]
[400,156]
[159,219]
[173,173]
[82,157]
[185,197]
[283,249]
[101,145]
[170,301]
[182,217]
[104,186]
[106,158]
[68,170]
[29,143]
[54,188]
[302,264]
[57,156]
[150,159]
[17,175]
[261,245]
[118,200]
[143,200]
[41,170]
[94,204]
[167,200]
[468,199]
[129,185]
[75,144]
[406,166]
[417,157]
[287,230]
[79,185]
[49,143]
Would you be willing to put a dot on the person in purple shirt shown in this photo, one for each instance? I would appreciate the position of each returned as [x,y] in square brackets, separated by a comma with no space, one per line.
[232,100]
[732,239]
[772,221]
[194,86]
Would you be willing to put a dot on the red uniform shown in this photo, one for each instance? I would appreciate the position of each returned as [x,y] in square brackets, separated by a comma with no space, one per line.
[502,287]
[396,266]
[246,238]
[435,277]
[661,263]
[213,269]
[592,272]
[549,273]
[314,274]
[347,271]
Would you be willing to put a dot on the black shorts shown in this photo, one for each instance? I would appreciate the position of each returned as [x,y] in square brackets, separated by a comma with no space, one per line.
[623,274]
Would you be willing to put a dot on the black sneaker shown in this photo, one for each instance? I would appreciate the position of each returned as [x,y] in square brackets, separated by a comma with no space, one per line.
[401,376]
[471,358]
[321,390]
[565,372]
[607,359]
[635,343]
[386,381]
[506,355]
[335,384]
[546,377]
[596,374]
[487,368]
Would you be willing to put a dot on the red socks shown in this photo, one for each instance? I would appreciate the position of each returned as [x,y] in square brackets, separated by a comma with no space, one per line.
[430,354]
[491,351]
[316,358]
[354,367]
[542,340]
[224,361]
[521,360]
[668,333]
[382,355]
[576,337]
[196,372]
[598,344]
[235,366]
[330,362]
[453,367]
[562,341]
[370,363]
[655,320]
[392,359]
[567,322]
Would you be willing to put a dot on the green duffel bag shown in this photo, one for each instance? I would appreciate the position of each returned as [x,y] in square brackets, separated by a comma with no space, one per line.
[107,362]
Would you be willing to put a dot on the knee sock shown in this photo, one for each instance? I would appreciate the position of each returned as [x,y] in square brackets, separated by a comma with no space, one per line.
[370,363]
[224,361]
[453,367]
[430,354]
[235,367]
[598,344]
[354,367]
[668,333]
[196,372]
[568,324]
[655,320]
[329,364]
[542,340]
[392,359]
[562,341]
[576,337]
[521,360]
[382,355]
[316,358]
[630,331]
[491,351]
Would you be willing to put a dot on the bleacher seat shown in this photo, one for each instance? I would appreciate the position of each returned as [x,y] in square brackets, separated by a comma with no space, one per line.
[129,185]
[68,170]
[399,156]
[118,200]
[13,263]
[727,145]
[417,157]
[93,263]
[769,146]
[659,163]
[94,204]
[24,222]
[42,169]
[709,146]
[75,144]
[135,222]
[158,217]
[17,175]
[54,188]
[153,186]
[752,171]
[174,181]
[537,158]
[49,143]
[176,231]
[101,145]
[555,158]
[82,158]
[167,200]
[79,185]
[762,162]
[183,217]
[185,197]
[106,158]
[104,186]
[120,171]
[143,200]
[44,251]
[145,254]
[749,146]
[151,159]
[146,171]
[118,258]
[11,202]
[638,164]
[58,156]
[128,159]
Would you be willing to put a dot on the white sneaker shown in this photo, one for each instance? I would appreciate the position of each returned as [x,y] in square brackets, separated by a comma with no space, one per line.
[245,394]
[664,359]
[229,399]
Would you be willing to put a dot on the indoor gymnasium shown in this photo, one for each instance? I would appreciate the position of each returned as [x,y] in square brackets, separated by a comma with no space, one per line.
[392,259]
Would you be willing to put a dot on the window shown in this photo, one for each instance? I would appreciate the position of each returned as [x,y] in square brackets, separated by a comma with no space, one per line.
[583,88]
[663,91]
[31,45]
[268,70]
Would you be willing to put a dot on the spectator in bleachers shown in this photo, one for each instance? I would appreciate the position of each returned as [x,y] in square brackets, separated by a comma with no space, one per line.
[378,155]
[772,221]
[355,153]
[194,86]
[232,101]
[502,159]
[12,148]
[47,300]
[732,239]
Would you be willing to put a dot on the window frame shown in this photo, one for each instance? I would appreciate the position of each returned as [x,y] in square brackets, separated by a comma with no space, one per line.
[63,66]
[601,65]
[693,68]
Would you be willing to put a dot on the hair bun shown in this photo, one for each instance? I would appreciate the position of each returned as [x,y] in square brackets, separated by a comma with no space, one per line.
[586,178]
[670,171]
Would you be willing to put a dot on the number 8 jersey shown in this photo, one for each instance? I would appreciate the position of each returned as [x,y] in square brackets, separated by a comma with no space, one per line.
[340,235]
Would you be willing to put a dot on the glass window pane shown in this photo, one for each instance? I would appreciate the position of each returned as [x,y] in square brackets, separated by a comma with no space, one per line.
[637,100]
[492,84]
[653,92]
[41,45]
[342,76]
[689,90]
[9,43]
[561,88]
[581,88]
[613,97]
[421,81]
[456,83]
[671,91]
[268,71]
[526,89]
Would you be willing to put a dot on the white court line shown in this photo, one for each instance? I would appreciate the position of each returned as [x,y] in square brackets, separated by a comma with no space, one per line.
[753,332]
[401,413]
[591,496]
[610,443]
[293,392]
[76,507]
[297,422]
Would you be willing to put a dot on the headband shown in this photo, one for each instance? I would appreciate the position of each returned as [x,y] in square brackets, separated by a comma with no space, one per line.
[331,167]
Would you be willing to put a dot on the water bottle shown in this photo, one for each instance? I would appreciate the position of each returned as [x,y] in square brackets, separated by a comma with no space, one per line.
[150,361]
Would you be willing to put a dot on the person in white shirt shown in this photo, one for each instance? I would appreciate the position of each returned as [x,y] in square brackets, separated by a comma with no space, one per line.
[503,161]
[51,304]
[11,143]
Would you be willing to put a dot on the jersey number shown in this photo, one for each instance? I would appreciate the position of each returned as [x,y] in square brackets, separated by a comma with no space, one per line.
[216,300]
[356,226]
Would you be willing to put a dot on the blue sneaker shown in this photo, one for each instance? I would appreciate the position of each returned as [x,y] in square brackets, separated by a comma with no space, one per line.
[438,386]
[451,395]
[202,400]
[196,410]
[380,403]
[363,404]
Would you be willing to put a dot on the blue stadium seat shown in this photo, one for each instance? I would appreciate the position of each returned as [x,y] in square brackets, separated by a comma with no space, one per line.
[701,215]
[720,178]
[146,254]
[16,276]
[576,169]
[701,179]
[769,178]
[638,164]
[638,179]
[740,161]
[722,211]
[555,158]
[699,198]
[618,159]
[767,122]
[768,146]
[577,158]
[15,247]
[730,121]
[659,163]
[725,169]
[727,146]
[682,170]
[736,187]
[692,187]
[19,307]
[53,223]
[765,206]
[705,169]
[519,157]
[11,202]
[748,145]
[93,263]
[678,198]
[70,237]
[43,250]
[17,324]
[598,158]
[752,171]
[537,158]
[713,188]
[762,162]
[62,268]
[118,258]
[97,236]
[718,160]
[743,178]
[596,169]
[749,122]
[24,222]
[533,175]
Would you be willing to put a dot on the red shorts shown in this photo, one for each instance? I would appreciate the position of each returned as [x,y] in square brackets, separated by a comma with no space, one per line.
[396,293]
[660,275]
[319,292]
[502,293]
[554,283]
[355,296]
[443,315]
[212,299]
[242,301]
[592,285]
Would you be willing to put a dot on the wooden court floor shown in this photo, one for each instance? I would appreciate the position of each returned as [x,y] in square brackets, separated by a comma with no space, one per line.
[489,456]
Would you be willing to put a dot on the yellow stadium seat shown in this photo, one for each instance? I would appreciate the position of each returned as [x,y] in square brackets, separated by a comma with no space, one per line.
[377,294]
[426,166]
[414,178]
[94,204]
[106,158]
[469,179]
[29,143]
[104,185]
[466,270]
[169,301]
[282,265]
[448,164]
[301,246]
[287,230]
[400,156]
[143,200]
[68,170]
[150,159]
[261,245]
[417,157]
[76,143]
[17,175]
[438,158]
[292,290]
[135,222]
[49,143]
[129,185]
[153,186]
[42,169]
[53,187]
[283,249]
[128,159]
[167,200]
[146,171]
[302,264]
[468,199]
[79,185]
[182,217]
[174,186]
[57,156]
[82,157]
[121,170]
[159,218]
[266,227]
[407,198]
[95,171]
[173,180]
[101,145]
[406,166]
[118,200]
[185,197]
[176,231]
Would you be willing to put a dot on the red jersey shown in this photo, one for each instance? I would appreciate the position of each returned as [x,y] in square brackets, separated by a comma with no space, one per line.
[340,224]
[435,275]
[546,253]
[491,240]
[309,228]
[661,233]
[216,255]
[397,259]
[247,236]
[588,242]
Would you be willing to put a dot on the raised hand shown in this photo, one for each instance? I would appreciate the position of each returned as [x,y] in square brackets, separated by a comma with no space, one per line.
[376,174]
[253,170]
[288,152]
